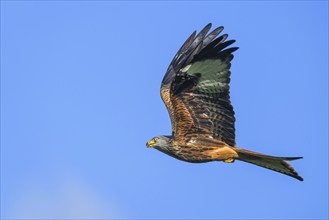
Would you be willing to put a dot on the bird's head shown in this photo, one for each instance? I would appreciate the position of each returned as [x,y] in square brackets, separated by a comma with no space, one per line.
[159,142]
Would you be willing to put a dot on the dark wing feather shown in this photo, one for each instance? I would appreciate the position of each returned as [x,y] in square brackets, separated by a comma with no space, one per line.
[197,96]
[193,45]
[212,35]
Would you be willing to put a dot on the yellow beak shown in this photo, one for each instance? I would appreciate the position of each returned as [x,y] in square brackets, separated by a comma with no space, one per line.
[150,143]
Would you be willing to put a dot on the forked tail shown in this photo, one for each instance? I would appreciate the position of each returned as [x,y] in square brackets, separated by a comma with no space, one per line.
[277,164]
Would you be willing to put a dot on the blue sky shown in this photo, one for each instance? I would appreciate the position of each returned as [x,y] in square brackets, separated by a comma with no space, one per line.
[80,97]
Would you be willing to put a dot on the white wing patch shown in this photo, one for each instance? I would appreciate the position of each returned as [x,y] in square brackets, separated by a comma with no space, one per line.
[186,68]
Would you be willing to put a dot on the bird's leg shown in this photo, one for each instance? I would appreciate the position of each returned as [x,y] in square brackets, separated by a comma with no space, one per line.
[230,160]
[225,153]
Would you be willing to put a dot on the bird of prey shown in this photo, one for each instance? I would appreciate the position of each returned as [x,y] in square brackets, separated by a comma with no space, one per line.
[195,90]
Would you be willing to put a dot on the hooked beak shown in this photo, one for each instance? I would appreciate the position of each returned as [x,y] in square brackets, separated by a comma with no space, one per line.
[150,143]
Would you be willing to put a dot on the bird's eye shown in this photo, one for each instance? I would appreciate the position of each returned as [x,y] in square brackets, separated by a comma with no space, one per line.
[156,139]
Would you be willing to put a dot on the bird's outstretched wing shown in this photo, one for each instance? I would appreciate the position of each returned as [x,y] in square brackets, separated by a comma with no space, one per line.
[195,88]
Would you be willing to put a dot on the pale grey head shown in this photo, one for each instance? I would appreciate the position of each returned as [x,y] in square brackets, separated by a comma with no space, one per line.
[161,143]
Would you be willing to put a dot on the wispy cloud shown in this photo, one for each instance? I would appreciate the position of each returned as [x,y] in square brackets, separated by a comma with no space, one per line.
[70,199]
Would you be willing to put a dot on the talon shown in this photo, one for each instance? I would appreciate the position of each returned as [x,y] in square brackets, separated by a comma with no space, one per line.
[230,160]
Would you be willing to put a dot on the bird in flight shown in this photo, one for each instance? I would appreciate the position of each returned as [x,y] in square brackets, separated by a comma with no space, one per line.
[195,90]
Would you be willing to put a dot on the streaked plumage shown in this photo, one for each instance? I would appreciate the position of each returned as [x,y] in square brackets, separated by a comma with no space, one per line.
[195,90]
